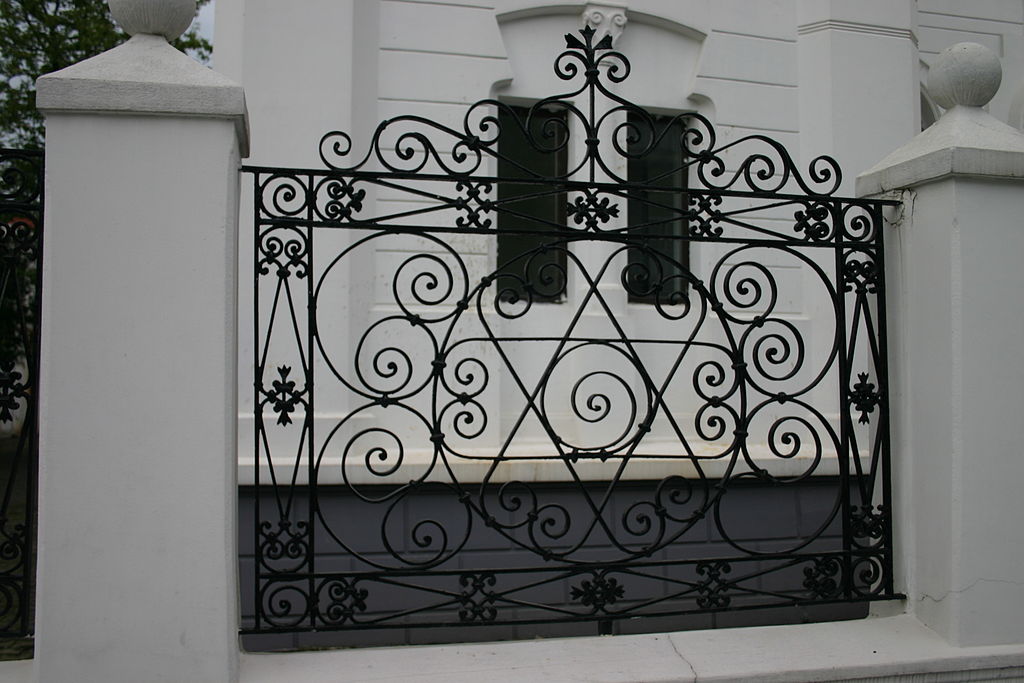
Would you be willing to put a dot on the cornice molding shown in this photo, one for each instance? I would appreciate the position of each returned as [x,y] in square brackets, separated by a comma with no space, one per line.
[856,27]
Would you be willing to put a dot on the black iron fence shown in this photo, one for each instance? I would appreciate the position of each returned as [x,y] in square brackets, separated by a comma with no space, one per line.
[530,367]
[21,234]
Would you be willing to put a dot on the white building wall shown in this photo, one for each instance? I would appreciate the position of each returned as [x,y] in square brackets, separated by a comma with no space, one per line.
[821,77]
[440,53]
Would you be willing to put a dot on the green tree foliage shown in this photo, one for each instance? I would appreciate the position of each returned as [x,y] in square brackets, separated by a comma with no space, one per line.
[40,36]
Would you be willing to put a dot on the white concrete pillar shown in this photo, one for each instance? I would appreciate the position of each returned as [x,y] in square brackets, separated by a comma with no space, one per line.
[956,321]
[137,561]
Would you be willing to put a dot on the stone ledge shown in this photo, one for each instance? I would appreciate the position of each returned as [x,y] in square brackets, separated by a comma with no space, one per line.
[889,648]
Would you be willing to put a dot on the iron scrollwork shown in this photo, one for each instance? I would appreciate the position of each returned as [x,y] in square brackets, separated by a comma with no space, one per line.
[458,367]
[412,144]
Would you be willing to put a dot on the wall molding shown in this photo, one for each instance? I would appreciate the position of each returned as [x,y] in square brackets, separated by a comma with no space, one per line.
[856,27]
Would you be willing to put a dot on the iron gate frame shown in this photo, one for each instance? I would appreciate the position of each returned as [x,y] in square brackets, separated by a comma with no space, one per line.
[292,594]
[21,250]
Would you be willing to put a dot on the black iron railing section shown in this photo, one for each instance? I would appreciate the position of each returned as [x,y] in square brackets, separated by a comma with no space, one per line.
[571,434]
[21,234]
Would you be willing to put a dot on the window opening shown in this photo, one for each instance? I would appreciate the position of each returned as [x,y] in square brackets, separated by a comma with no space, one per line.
[656,216]
[533,146]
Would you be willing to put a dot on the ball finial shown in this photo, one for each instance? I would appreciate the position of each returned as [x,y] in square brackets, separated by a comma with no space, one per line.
[967,74]
[167,18]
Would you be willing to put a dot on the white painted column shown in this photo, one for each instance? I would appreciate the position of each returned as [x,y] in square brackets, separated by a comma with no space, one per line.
[137,561]
[859,86]
[956,318]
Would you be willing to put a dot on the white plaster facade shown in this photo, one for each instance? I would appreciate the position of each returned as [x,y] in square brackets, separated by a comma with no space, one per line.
[822,77]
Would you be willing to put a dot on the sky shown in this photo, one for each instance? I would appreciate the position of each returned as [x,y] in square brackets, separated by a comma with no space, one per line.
[205,20]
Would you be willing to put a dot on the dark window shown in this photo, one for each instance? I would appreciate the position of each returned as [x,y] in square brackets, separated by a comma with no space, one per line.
[526,211]
[658,215]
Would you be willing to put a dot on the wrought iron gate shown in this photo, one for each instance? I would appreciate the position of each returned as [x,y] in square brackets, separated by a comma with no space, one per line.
[563,432]
[21,233]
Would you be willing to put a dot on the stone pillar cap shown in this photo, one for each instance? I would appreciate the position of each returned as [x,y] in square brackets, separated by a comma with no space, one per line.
[966,140]
[167,18]
[146,75]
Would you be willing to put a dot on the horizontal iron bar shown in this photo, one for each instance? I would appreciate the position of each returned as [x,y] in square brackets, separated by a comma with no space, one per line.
[568,235]
[597,616]
[574,568]
[568,185]
[8,207]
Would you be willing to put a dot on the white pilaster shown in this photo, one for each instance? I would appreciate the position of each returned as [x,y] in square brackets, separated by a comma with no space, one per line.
[956,319]
[137,563]
[858,80]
